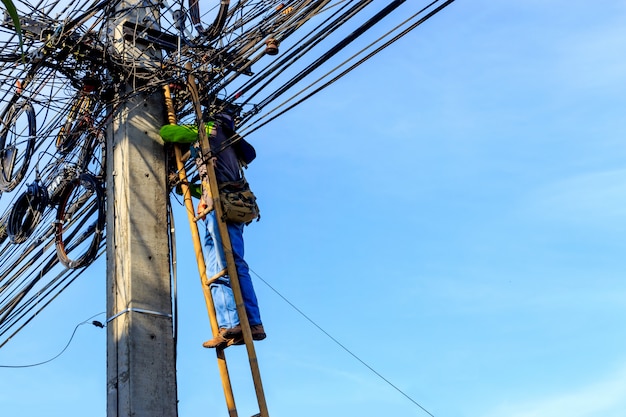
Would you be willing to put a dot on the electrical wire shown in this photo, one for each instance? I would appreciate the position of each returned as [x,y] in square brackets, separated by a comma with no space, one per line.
[95,323]
[27,275]
[260,124]
[341,345]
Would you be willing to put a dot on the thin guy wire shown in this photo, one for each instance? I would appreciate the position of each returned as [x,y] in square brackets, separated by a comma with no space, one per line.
[341,345]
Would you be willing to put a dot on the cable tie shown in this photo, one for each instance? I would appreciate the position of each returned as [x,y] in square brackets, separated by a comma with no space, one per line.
[138,310]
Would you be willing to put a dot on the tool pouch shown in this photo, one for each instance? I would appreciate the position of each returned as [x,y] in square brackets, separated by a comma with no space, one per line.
[238,202]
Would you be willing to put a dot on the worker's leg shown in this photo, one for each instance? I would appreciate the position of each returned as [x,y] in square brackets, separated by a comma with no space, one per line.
[221,292]
[235,231]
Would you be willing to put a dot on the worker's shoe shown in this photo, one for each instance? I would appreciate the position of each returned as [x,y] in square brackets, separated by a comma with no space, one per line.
[234,335]
[225,338]
[233,331]
[258,332]
[218,341]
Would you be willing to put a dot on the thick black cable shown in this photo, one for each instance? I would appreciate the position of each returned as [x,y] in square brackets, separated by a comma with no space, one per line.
[316,36]
[352,67]
[298,18]
[220,20]
[333,51]
[235,138]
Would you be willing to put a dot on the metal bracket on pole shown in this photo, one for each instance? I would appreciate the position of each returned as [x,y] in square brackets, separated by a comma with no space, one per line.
[138,310]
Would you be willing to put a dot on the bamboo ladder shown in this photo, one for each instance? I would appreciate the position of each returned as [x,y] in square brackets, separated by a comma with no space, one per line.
[210,184]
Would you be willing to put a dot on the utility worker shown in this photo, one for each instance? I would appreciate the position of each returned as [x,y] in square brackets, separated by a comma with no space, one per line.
[228,169]
[228,160]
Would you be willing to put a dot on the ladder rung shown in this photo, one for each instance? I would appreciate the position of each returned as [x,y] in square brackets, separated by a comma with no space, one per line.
[216,277]
[203,213]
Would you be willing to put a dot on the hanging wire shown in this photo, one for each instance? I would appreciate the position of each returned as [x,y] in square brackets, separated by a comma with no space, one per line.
[341,345]
[89,320]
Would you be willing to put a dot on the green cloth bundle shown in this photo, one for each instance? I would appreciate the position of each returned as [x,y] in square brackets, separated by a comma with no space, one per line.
[179,134]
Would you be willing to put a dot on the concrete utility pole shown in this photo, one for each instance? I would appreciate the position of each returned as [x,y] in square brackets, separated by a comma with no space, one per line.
[141,370]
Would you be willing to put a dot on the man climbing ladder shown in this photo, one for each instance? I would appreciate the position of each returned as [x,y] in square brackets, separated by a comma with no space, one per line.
[229,154]
[235,204]
[234,191]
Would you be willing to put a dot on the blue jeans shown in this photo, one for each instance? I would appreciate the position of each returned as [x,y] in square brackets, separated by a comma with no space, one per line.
[223,299]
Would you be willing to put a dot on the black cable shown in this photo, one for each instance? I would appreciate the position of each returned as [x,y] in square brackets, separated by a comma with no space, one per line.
[299,18]
[333,51]
[337,342]
[23,313]
[14,309]
[316,36]
[95,323]
[26,213]
[349,69]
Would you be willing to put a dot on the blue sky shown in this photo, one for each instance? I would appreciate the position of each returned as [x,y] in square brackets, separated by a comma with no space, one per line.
[452,212]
